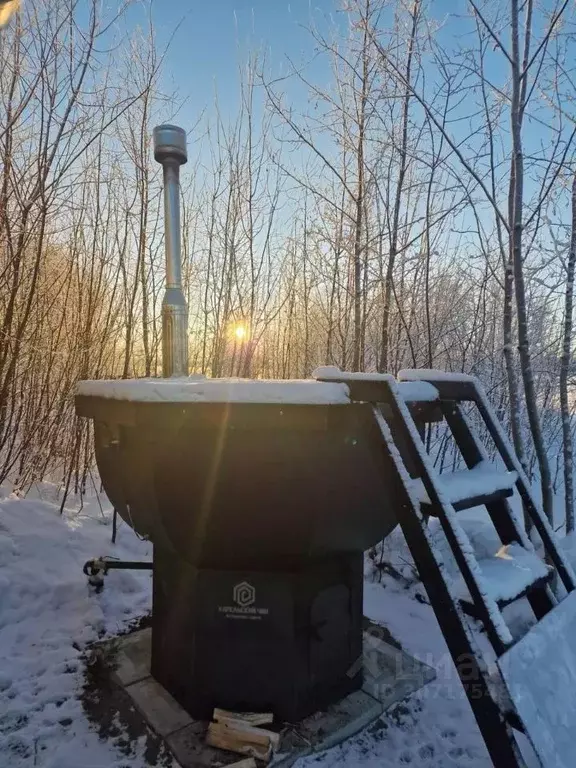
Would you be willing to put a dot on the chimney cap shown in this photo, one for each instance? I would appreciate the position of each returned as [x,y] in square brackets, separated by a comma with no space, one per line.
[170,144]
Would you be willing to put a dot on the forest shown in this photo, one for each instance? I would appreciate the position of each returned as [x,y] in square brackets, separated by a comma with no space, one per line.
[403,198]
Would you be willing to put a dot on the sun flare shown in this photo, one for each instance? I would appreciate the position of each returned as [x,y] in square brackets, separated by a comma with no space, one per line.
[7,8]
[240,332]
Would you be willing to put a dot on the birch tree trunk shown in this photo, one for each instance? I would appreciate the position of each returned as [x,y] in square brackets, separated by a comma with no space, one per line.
[516,231]
[565,361]
[402,161]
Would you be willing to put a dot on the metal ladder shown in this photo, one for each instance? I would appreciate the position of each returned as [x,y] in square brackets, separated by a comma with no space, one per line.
[500,704]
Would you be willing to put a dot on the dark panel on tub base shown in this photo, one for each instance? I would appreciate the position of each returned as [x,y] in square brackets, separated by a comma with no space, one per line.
[285,641]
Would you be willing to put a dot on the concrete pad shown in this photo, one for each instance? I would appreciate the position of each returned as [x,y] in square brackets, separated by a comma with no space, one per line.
[162,712]
[133,657]
[112,713]
[189,748]
[287,759]
[340,721]
[390,674]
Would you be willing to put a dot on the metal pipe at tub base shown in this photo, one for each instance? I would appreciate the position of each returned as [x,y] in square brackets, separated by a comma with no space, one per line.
[170,151]
[98,567]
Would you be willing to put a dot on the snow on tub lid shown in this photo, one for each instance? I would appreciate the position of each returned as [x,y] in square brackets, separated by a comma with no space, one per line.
[198,389]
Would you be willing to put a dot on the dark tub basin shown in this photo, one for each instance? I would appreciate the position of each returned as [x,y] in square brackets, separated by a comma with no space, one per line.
[230,472]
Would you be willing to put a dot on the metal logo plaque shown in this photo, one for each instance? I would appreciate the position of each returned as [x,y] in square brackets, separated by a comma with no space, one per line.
[244,599]
[244,594]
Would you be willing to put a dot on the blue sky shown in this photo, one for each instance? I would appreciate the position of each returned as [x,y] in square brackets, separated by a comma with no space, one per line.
[214,36]
[211,37]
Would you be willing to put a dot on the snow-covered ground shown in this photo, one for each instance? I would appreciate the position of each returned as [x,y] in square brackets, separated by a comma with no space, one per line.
[48,615]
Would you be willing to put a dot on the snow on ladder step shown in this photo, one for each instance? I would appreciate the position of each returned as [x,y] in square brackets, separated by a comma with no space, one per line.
[417,392]
[468,488]
[510,574]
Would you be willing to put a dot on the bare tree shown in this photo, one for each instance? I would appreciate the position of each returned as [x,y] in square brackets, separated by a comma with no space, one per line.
[565,365]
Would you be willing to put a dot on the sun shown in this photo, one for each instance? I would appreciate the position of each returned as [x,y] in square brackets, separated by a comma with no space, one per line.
[240,332]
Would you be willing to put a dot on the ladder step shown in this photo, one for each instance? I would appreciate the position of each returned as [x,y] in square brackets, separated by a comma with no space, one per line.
[410,391]
[451,386]
[469,488]
[422,398]
[418,392]
[512,573]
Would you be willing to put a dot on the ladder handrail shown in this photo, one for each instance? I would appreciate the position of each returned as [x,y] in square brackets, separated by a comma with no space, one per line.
[497,630]
[483,687]
[384,389]
[494,707]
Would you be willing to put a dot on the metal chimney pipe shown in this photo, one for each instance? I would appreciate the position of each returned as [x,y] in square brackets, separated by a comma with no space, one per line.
[170,151]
